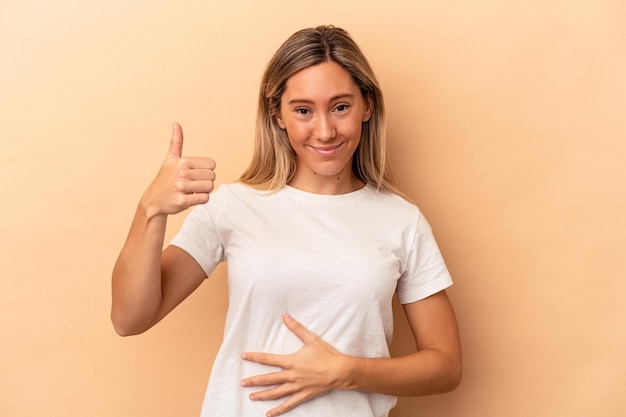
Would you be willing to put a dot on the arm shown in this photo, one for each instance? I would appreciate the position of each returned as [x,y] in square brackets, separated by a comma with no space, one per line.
[435,367]
[318,368]
[147,282]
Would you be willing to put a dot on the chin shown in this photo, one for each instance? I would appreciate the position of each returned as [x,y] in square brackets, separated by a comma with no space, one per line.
[329,171]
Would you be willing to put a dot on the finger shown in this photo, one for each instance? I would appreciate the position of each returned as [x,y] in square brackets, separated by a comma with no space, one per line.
[197,187]
[298,329]
[289,404]
[275,393]
[197,163]
[266,359]
[196,199]
[196,174]
[265,380]
[176,143]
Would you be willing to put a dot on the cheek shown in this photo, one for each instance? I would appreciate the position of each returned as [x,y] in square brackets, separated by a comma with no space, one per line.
[296,132]
[353,130]
[294,139]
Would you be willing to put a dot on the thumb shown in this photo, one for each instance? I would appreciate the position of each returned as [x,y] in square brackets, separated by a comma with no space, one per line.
[176,144]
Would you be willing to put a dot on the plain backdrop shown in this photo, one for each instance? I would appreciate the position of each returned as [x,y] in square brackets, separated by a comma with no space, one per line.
[507,124]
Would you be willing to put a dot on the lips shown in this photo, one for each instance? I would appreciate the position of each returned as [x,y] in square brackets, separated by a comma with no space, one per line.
[327,150]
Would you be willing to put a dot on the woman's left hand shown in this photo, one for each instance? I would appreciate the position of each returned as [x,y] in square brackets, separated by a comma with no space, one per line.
[314,370]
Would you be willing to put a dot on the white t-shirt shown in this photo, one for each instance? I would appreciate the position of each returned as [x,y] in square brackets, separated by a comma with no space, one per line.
[331,261]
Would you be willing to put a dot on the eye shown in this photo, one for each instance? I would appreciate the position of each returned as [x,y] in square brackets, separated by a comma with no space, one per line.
[302,111]
[341,108]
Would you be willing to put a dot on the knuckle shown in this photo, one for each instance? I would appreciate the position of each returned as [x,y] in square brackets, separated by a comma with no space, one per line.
[179,185]
[180,200]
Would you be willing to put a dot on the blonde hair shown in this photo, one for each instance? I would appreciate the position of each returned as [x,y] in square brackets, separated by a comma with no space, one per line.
[274,160]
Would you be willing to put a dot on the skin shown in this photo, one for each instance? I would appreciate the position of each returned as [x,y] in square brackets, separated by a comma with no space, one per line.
[147,283]
[322,111]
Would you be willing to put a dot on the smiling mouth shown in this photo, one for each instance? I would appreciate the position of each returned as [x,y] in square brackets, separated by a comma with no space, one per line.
[327,150]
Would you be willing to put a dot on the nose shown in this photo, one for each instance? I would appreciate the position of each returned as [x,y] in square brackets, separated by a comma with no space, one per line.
[325,128]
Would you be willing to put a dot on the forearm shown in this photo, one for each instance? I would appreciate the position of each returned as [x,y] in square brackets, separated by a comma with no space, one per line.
[136,279]
[425,372]
[317,368]
[146,284]
[435,367]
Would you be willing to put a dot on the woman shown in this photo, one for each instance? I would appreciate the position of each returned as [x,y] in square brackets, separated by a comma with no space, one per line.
[315,230]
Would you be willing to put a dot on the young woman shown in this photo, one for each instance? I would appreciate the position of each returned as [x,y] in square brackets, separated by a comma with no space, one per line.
[317,239]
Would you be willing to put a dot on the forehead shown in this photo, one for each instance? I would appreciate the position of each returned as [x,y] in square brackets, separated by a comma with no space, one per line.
[320,81]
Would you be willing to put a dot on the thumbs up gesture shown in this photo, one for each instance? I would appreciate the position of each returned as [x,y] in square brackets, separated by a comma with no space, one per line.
[181,182]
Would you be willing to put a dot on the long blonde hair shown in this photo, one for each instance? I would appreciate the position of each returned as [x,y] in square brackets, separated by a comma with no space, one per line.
[274,160]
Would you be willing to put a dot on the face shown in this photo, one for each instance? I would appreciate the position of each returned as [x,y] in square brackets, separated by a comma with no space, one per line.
[322,111]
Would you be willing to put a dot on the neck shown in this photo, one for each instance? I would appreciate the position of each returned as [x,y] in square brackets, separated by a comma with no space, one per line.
[342,183]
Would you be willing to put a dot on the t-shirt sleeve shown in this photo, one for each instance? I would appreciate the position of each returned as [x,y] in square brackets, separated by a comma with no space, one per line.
[199,236]
[425,271]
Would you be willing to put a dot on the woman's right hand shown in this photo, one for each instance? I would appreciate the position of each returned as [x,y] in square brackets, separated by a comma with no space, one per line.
[147,281]
[180,183]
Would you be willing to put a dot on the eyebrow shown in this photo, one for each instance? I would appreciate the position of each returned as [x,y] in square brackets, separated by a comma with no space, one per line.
[307,101]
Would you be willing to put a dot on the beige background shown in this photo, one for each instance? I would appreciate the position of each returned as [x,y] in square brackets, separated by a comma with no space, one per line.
[508,128]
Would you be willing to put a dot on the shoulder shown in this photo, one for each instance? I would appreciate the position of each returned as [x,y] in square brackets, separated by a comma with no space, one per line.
[394,211]
[393,204]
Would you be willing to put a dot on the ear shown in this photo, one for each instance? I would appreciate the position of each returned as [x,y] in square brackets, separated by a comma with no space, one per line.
[280,121]
[369,107]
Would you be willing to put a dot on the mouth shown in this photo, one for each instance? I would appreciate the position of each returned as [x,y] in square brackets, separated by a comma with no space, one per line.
[327,150]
